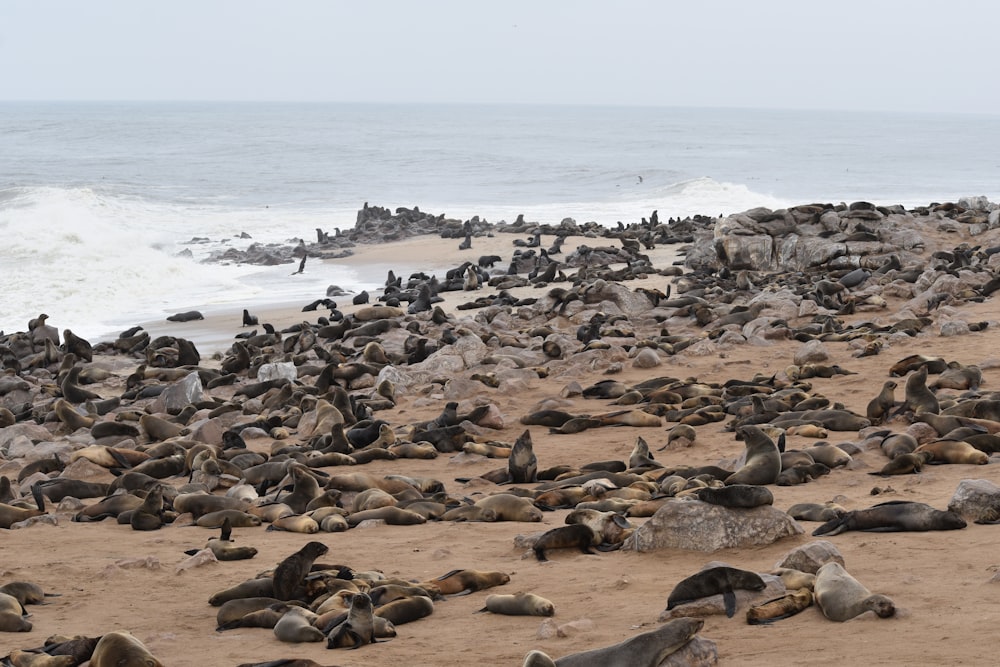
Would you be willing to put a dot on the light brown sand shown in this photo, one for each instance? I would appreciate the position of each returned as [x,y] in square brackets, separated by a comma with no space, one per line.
[939,581]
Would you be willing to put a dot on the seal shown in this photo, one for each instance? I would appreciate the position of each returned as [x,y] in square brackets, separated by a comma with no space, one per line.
[881,407]
[841,597]
[578,535]
[519,604]
[359,627]
[714,581]
[509,507]
[647,649]
[953,451]
[120,648]
[186,316]
[149,515]
[815,512]
[294,626]
[459,582]
[406,610]
[291,572]
[893,516]
[522,464]
[905,464]
[11,514]
[735,495]
[779,608]
[763,460]
[918,398]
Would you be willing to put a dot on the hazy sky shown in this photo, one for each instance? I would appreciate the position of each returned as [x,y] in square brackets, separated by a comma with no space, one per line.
[874,54]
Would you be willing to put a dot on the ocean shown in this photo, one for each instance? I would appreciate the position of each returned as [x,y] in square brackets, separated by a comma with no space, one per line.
[97,200]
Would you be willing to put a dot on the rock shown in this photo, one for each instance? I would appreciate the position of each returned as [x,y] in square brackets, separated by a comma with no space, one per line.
[698,526]
[179,395]
[812,352]
[87,471]
[31,432]
[810,557]
[699,652]
[284,369]
[646,358]
[976,499]
[954,328]
[714,605]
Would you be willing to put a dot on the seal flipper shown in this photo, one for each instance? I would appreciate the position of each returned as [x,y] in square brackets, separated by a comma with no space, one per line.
[729,598]
[832,527]
[36,493]
[227,530]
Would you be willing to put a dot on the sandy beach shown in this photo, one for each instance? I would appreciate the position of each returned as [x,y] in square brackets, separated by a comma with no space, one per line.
[110,577]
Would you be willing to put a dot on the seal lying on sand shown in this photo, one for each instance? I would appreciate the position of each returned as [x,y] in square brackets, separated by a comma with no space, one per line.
[645,650]
[841,597]
[893,516]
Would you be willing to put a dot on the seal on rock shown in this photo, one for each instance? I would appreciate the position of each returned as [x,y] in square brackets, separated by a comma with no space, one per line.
[714,581]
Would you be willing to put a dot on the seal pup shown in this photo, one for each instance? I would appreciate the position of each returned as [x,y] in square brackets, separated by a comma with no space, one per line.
[460,582]
[763,460]
[187,316]
[120,648]
[406,610]
[893,516]
[881,407]
[290,573]
[648,649]
[841,597]
[714,581]
[779,608]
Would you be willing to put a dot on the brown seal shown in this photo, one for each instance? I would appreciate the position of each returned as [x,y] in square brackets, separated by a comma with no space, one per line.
[295,626]
[841,597]
[905,464]
[763,460]
[713,581]
[291,572]
[119,648]
[893,516]
[519,604]
[880,407]
[953,451]
[406,610]
[779,608]
[643,650]
[735,495]
[509,507]
[468,581]
[11,514]
[573,536]
[918,398]
[149,515]
[359,627]
[522,464]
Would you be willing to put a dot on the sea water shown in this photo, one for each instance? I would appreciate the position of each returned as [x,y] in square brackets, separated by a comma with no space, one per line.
[98,200]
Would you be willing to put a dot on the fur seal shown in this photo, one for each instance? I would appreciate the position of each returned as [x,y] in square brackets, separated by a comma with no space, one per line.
[763,460]
[579,536]
[953,451]
[509,507]
[294,626]
[359,627]
[186,316]
[519,604]
[779,608]
[290,573]
[893,516]
[149,515]
[119,648]
[918,398]
[905,464]
[647,649]
[522,464]
[815,511]
[736,495]
[841,597]
[713,581]
[881,407]
[406,610]
[469,581]
[11,514]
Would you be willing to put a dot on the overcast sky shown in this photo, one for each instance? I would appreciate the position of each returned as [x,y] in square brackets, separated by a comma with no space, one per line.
[895,55]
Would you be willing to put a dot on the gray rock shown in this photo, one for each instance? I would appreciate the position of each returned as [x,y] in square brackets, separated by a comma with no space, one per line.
[810,557]
[812,352]
[646,358]
[954,328]
[976,499]
[181,394]
[699,652]
[273,371]
[698,526]
[31,432]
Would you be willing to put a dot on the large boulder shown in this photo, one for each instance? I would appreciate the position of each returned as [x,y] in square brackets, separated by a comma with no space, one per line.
[697,526]
[976,499]
[810,557]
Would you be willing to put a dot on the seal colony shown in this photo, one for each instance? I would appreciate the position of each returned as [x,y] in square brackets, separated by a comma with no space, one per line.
[569,394]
